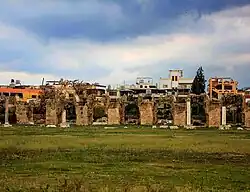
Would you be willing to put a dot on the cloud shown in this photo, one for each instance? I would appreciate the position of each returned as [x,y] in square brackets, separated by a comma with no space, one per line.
[218,41]
[107,20]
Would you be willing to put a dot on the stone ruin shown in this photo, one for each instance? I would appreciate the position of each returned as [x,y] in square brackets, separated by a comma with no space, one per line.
[88,107]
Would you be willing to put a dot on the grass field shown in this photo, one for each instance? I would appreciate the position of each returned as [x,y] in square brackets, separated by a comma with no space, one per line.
[133,159]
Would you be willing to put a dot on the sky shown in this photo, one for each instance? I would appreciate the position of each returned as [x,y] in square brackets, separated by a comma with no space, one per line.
[112,41]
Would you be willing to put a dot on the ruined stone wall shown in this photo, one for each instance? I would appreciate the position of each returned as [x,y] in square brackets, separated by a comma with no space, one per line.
[21,113]
[51,112]
[213,110]
[147,113]
[180,114]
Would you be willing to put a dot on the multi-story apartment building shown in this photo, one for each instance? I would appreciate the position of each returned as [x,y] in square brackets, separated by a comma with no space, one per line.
[176,83]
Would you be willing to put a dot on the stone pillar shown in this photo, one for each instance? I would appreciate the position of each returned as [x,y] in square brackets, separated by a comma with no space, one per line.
[246,107]
[64,123]
[188,112]
[213,110]
[147,113]
[224,116]
[114,117]
[82,115]
[21,113]
[51,115]
[179,114]
[31,120]
[6,123]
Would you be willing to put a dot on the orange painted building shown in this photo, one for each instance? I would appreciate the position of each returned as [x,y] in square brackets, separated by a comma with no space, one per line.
[24,93]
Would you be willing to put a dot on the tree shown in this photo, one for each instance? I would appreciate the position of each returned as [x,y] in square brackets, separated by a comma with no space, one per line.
[199,83]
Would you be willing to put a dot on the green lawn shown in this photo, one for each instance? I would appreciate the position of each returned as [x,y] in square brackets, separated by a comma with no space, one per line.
[133,159]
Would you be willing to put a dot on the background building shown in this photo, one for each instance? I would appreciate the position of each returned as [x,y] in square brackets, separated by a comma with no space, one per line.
[176,83]
[219,86]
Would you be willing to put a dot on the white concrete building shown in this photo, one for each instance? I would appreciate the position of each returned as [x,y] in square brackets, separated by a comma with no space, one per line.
[176,82]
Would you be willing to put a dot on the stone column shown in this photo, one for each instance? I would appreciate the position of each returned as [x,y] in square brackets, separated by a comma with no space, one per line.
[6,123]
[224,116]
[64,123]
[31,120]
[188,112]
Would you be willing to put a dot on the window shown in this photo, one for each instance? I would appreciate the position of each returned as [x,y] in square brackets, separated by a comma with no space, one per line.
[141,86]
[176,78]
[172,78]
[33,96]
[165,86]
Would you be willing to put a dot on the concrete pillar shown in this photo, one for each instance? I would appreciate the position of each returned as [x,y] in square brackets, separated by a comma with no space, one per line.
[224,116]
[64,123]
[6,123]
[188,112]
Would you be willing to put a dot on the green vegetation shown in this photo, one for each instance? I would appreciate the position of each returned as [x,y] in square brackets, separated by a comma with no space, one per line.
[199,82]
[134,159]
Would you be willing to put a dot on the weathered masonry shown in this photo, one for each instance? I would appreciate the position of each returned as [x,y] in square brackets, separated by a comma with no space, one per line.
[77,104]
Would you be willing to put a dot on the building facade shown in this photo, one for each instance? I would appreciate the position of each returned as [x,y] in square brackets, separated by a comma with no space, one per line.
[176,83]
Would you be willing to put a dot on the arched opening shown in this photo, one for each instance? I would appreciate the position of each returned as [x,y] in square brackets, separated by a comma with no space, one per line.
[12,115]
[198,111]
[132,114]
[39,114]
[100,115]
[71,113]
[164,113]
[234,109]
